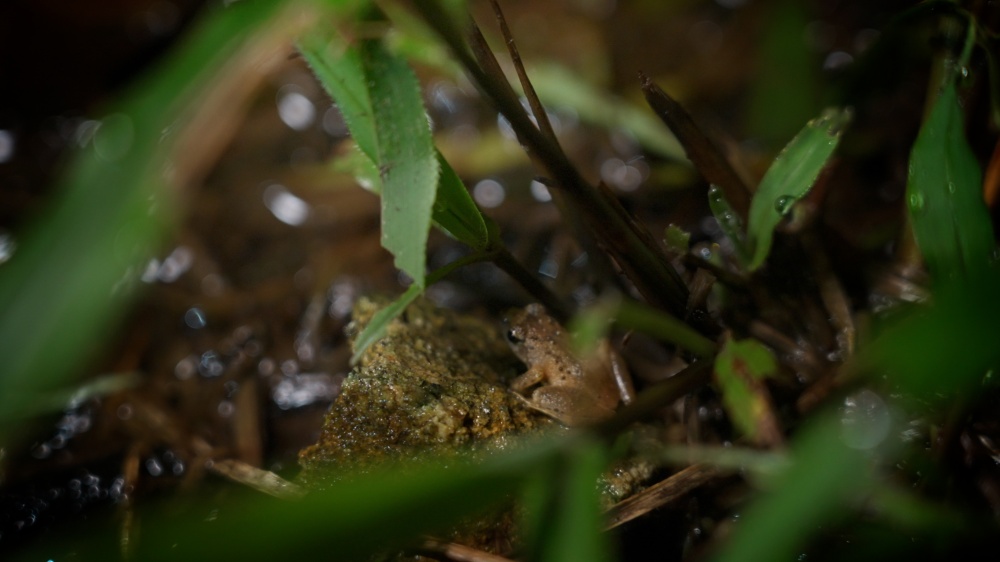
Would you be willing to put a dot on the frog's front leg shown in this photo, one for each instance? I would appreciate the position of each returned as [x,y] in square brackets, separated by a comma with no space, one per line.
[571,406]
[526,380]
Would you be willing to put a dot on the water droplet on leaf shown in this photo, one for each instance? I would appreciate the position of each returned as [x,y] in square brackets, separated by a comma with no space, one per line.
[916,201]
[783,204]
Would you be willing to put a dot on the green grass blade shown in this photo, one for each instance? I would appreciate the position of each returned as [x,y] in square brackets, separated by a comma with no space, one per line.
[660,325]
[407,158]
[568,520]
[75,267]
[381,102]
[379,323]
[790,178]
[559,87]
[824,478]
[341,72]
[352,519]
[455,212]
[944,195]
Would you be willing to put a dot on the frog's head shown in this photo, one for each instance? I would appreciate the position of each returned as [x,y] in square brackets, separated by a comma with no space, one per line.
[530,329]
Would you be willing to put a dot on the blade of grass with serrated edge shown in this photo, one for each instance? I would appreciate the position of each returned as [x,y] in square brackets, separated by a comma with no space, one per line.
[381,102]
[339,69]
[790,178]
[407,158]
[944,195]
[454,210]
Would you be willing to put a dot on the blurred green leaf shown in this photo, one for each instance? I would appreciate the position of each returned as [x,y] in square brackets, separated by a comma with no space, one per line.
[591,324]
[570,521]
[558,87]
[634,316]
[350,520]
[381,102]
[784,91]
[790,178]
[944,195]
[77,266]
[825,477]
[739,369]
[944,347]
[677,240]
[903,508]
[738,459]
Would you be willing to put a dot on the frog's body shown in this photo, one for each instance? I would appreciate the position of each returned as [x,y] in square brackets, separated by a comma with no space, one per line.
[573,392]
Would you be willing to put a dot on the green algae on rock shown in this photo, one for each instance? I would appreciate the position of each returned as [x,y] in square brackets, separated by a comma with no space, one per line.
[436,384]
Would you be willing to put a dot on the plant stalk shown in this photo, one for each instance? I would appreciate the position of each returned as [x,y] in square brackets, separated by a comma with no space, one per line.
[627,242]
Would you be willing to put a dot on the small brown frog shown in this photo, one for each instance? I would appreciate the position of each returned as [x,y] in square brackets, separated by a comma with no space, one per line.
[571,391]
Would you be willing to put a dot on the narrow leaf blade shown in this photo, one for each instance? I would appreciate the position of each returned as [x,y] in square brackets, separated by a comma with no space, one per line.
[380,321]
[790,178]
[381,102]
[339,69]
[454,210]
[571,521]
[944,195]
[407,158]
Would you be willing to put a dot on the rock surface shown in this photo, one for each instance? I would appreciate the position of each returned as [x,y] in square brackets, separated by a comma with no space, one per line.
[436,384]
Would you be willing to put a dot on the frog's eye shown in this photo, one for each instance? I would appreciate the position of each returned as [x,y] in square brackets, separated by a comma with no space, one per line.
[514,336]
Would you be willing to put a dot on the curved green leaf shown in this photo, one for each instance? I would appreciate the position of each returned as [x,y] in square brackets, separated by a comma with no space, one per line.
[790,178]
[944,195]
[455,212]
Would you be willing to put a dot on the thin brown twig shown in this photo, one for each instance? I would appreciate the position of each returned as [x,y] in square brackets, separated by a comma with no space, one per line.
[705,156]
[661,494]
[632,248]
[503,259]
[657,396]
[458,552]
[529,90]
